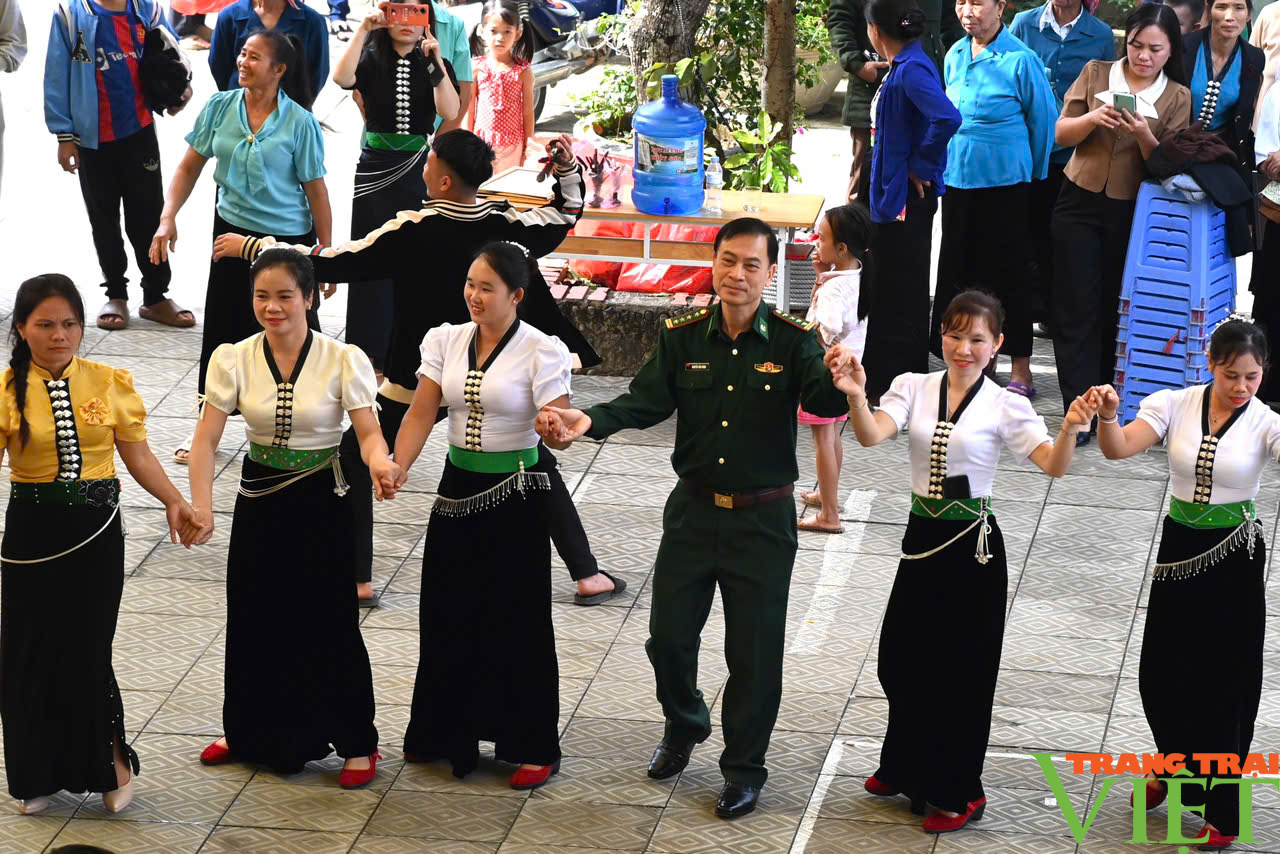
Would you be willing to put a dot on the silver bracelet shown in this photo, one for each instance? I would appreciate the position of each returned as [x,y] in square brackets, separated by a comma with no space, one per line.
[1111,420]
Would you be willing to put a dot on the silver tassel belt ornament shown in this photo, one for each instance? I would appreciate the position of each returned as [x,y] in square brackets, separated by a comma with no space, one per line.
[340,485]
[518,482]
[1246,533]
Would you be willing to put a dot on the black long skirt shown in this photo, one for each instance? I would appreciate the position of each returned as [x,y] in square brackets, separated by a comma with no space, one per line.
[297,676]
[59,703]
[228,301]
[487,670]
[939,658]
[1201,683]
[387,182]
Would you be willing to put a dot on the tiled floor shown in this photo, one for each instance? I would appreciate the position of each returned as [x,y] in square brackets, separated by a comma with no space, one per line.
[1079,553]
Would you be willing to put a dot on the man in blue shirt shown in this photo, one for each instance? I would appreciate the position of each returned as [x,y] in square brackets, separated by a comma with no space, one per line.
[1066,37]
[290,17]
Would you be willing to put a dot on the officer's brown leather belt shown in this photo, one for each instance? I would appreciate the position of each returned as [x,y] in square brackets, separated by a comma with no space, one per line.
[738,500]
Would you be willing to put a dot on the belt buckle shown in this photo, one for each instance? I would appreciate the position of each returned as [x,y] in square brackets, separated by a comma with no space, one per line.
[722,500]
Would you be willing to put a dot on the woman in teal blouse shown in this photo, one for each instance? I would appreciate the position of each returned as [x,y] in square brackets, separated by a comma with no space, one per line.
[1008,110]
[269,168]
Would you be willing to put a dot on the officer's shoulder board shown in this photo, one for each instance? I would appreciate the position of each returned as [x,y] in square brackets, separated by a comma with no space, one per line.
[686,319]
[793,320]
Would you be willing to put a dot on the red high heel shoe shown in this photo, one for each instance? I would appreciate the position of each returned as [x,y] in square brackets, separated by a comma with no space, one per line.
[1215,841]
[355,778]
[939,823]
[532,778]
[216,754]
[880,788]
[1156,793]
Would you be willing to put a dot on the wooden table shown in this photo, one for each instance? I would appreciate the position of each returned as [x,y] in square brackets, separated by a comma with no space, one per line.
[786,212]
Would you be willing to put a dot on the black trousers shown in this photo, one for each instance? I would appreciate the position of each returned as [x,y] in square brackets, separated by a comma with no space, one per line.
[125,170]
[898,325]
[1044,195]
[985,245]
[567,532]
[1090,238]
[1266,299]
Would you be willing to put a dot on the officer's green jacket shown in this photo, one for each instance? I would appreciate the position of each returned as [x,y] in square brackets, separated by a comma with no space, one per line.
[736,428]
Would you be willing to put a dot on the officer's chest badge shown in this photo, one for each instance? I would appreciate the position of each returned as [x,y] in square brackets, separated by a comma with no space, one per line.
[697,366]
[769,368]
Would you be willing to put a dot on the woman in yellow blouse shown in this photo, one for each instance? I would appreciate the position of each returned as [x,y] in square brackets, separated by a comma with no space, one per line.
[62,419]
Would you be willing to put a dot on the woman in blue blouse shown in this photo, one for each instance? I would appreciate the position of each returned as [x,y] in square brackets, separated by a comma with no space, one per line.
[1225,74]
[292,17]
[911,123]
[270,174]
[1003,94]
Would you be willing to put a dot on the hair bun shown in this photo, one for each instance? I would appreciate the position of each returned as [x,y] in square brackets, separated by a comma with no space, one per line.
[913,23]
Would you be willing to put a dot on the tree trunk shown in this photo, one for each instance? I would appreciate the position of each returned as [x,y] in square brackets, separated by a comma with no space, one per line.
[663,31]
[778,91]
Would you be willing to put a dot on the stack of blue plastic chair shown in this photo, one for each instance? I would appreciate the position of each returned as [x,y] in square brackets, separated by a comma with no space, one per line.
[1179,283]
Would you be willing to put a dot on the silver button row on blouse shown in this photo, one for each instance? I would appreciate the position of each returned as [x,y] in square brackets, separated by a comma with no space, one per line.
[284,415]
[64,422]
[402,95]
[475,411]
[938,457]
[1204,470]
[1210,105]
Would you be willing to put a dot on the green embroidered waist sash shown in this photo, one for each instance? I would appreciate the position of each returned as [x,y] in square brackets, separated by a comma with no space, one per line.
[95,493]
[393,141]
[290,459]
[1212,515]
[493,462]
[951,509]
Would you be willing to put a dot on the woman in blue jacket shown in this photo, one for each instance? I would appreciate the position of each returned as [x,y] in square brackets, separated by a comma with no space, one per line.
[244,17]
[911,123]
[1004,142]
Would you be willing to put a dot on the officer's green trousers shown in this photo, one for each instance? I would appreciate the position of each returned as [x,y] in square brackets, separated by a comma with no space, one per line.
[749,552]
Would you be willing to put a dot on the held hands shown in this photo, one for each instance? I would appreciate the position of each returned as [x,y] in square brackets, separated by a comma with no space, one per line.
[847,373]
[387,478]
[69,156]
[1105,400]
[165,241]
[184,525]
[1079,416]
[228,245]
[202,524]
[561,426]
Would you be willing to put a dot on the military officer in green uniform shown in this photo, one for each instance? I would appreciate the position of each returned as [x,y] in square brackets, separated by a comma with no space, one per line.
[734,373]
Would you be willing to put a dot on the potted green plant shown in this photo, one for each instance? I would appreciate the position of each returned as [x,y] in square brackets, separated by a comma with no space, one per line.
[764,158]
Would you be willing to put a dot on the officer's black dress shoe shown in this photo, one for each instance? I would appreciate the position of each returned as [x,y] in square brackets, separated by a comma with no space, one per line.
[737,799]
[671,757]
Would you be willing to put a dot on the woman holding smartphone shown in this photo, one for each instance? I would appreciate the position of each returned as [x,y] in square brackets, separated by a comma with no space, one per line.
[1095,209]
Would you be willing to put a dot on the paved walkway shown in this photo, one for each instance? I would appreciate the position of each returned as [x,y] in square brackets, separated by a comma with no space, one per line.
[1080,551]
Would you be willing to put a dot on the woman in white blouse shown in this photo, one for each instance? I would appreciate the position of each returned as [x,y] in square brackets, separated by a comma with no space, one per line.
[949,597]
[1201,693]
[297,678]
[487,670]
[1266,264]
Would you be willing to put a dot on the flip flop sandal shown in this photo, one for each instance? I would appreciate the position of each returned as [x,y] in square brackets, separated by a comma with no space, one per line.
[813,526]
[1021,389]
[168,312]
[117,309]
[599,598]
[184,448]
[371,602]
[811,498]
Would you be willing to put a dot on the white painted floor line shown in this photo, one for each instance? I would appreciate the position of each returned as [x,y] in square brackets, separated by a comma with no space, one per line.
[819,795]
[837,565]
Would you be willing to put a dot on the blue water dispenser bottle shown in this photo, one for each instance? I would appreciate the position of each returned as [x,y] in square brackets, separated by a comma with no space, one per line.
[668,165]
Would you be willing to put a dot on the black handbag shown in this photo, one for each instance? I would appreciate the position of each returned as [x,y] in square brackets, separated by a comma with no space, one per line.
[164,71]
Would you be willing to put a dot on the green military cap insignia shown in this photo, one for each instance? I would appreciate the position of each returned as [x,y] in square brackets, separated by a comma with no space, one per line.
[793,320]
[686,319]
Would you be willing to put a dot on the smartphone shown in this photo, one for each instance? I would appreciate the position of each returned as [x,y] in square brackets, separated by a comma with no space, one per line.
[1125,101]
[956,486]
[406,14]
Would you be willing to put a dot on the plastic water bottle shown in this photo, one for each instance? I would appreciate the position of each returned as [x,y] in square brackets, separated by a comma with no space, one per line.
[715,186]
[668,148]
